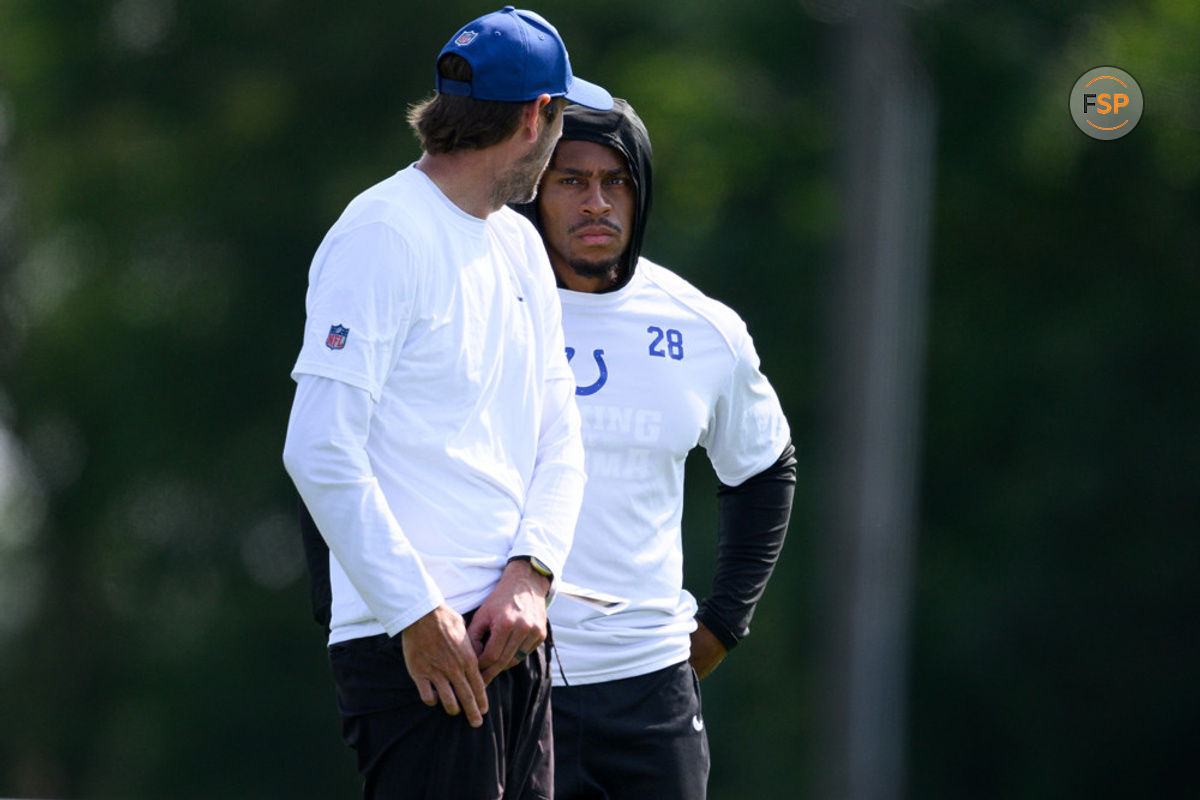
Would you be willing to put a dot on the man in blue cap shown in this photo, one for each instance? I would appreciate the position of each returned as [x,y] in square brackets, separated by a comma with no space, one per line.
[434,435]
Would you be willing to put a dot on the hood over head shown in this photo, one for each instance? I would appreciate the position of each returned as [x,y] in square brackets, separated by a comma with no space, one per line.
[623,130]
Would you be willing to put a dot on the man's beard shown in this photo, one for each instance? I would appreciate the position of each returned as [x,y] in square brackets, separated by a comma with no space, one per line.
[520,183]
[607,268]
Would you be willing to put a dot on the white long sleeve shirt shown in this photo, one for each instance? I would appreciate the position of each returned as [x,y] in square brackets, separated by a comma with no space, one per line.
[434,432]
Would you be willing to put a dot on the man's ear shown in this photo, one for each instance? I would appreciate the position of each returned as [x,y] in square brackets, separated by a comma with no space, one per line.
[531,117]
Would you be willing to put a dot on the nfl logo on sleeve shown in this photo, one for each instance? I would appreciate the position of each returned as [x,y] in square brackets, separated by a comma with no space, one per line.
[337,337]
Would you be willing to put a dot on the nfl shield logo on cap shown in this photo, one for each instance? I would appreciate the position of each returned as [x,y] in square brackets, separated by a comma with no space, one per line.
[336,339]
[465,38]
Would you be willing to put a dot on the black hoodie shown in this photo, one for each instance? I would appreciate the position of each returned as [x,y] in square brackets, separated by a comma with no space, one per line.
[621,129]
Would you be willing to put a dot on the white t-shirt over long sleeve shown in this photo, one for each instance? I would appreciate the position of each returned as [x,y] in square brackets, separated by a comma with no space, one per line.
[434,432]
[661,368]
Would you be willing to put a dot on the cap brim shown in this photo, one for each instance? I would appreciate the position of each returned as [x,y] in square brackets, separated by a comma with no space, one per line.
[589,94]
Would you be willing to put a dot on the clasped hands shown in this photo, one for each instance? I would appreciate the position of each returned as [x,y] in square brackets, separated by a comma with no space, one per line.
[453,663]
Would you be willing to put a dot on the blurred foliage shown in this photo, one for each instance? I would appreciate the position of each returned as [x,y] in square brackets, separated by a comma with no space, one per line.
[167,169]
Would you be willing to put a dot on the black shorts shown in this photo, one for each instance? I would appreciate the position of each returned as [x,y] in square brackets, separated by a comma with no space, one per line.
[407,749]
[639,738]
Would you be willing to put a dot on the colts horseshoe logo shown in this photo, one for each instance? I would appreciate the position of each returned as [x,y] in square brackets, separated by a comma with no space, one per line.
[595,387]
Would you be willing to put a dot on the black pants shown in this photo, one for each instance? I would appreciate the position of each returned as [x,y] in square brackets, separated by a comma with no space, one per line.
[639,738]
[407,749]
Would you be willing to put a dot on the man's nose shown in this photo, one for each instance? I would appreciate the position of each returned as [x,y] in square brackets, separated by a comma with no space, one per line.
[595,202]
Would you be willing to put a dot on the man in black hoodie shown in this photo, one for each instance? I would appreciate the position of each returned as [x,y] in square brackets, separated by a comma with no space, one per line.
[659,368]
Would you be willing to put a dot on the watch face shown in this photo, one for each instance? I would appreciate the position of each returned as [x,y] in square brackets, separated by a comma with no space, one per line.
[539,567]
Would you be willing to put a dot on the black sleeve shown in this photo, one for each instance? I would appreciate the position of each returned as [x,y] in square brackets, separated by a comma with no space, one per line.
[752,521]
[316,553]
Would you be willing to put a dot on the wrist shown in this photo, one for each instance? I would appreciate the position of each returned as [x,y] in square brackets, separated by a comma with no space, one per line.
[535,564]
[537,570]
[716,627]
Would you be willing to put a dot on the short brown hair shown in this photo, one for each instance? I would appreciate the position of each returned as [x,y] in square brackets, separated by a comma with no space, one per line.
[446,122]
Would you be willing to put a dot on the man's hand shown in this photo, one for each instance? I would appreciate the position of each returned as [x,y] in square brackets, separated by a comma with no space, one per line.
[511,623]
[443,665]
[707,651]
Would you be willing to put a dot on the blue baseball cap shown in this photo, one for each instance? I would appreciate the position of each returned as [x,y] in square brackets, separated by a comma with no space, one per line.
[515,56]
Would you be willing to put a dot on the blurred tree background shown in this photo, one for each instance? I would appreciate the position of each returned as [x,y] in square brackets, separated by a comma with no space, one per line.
[167,169]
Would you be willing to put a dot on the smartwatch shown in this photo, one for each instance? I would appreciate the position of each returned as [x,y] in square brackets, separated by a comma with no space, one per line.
[537,564]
